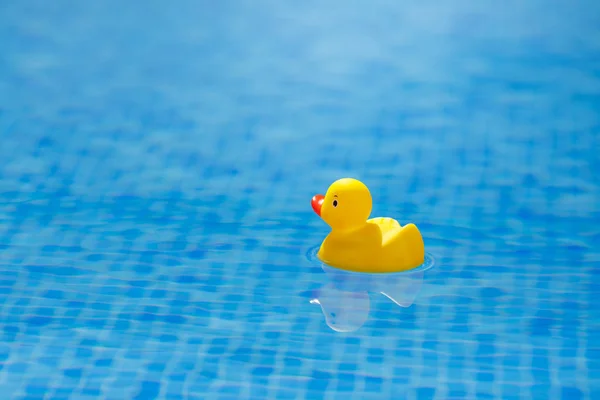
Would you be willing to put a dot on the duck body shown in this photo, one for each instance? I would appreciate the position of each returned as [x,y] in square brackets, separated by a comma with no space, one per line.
[359,244]
[381,245]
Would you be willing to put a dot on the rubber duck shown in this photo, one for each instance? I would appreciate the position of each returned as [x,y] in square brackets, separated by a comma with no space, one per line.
[357,243]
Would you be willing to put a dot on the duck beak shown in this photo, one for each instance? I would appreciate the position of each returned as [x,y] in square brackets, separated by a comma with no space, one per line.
[317,202]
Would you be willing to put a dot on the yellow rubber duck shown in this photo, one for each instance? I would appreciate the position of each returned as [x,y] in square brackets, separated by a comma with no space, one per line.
[357,243]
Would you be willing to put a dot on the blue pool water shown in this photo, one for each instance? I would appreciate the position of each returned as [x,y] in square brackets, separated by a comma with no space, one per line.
[156,168]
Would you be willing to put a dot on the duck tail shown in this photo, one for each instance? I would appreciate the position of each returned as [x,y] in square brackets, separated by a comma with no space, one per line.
[413,246]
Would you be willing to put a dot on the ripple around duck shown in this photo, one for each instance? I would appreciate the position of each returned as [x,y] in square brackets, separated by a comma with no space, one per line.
[314,260]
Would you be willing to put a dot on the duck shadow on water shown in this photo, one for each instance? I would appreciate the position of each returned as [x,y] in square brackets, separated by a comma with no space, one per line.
[345,300]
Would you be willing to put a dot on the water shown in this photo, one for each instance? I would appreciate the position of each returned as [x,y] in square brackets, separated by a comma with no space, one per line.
[156,169]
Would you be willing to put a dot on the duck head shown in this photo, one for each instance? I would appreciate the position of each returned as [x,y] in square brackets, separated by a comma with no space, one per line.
[346,205]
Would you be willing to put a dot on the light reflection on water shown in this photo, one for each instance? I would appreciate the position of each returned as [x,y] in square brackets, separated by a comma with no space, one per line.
[345,301]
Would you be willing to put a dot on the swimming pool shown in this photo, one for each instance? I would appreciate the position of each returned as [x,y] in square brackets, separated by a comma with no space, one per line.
[156,169]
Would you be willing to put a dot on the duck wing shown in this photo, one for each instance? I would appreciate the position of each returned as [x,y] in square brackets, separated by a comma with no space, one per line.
[389,227]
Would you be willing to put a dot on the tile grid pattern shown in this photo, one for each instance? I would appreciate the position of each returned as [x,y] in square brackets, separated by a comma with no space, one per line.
[154,216]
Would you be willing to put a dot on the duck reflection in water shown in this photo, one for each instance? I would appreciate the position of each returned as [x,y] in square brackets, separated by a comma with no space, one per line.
[345,299]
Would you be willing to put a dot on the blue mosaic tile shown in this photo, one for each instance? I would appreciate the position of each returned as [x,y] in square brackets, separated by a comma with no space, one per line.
[156,173]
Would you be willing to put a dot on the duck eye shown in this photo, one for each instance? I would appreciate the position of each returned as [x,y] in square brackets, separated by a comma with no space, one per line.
[335,203]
